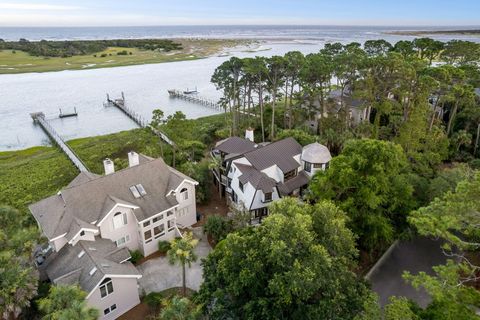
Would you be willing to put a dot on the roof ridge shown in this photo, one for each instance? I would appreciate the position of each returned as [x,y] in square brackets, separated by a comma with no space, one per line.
[68,274]
[119,171]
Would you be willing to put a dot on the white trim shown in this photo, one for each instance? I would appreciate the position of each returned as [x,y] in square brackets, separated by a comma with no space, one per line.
[82,229]
[113,209]
[112,276]
[58,237]
[157,214]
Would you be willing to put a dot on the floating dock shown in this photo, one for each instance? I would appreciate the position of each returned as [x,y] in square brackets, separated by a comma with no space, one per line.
[138,119]
[194,98]
[65,115]
[39,117]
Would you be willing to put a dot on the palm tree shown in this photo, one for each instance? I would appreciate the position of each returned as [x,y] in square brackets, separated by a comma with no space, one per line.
[66,302]
[181,251]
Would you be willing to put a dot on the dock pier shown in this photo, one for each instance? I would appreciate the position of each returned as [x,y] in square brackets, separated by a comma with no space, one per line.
[194,98]
[39,117]
[138,119]
[120,104]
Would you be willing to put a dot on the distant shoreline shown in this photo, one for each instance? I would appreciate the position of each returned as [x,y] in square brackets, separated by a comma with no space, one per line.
[434,32]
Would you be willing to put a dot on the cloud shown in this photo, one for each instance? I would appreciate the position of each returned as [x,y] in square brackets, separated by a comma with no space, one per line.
[36,6]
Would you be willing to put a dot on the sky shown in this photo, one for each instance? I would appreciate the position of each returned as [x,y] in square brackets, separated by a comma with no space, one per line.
[239,12]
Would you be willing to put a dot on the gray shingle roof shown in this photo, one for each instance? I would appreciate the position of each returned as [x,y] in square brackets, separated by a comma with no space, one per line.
[235,145]
[102,254]
[82,178]
[299,181]
[257,179]
[278,153]
[90,200]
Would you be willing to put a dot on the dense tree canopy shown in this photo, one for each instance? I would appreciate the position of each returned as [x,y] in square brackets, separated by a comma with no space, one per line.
[295,265]
[66,302]
[368,181]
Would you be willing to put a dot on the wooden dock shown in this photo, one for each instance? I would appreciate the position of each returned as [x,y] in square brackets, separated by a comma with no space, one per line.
[120,104]
[138,119]
[39,117]
[195,98]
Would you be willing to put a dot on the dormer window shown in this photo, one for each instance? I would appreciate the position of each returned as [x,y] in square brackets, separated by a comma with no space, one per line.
[240,185]
[119,220]
[289,175]
[82,233]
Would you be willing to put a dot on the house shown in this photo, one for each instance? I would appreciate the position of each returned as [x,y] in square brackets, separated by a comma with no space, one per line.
[225,151]
[94,222]
[265,173]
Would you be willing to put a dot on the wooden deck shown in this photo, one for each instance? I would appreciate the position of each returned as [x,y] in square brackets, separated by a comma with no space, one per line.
[195,98]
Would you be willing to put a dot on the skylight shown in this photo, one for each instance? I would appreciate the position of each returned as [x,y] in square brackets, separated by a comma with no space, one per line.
[141,189]
[92,272]
[81,253]
[135,192]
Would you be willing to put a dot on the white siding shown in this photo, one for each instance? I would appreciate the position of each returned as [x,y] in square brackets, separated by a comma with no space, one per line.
[107,230]
[124,295]
[258,200]
[187,209]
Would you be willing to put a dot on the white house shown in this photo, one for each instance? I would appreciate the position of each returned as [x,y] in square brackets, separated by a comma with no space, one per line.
[93,222]
[282,168]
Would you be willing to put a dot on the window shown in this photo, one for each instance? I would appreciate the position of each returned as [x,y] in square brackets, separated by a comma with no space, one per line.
[147,235]
[171,225]
[289,175]
[183,212]
[119,220]
[159,231]
[106,287]
[267,197]
[160,217]
[240,185]
[146,223]
[122,240]
[82,233]
[307,166]
[229,183]
[184,193]
[81,254]
[169,213]
[318,165]
[110,309]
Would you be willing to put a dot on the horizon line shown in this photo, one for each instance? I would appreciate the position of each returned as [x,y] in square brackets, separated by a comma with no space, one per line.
[250,25]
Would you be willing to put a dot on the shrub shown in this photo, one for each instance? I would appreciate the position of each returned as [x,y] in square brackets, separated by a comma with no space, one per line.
[130,53]
[217,227]
[154,300]
[122,53]
[136,256]
[103,55]
[94,55]
[163,246]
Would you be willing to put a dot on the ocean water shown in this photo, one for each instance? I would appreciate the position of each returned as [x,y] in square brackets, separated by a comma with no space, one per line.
[145,86]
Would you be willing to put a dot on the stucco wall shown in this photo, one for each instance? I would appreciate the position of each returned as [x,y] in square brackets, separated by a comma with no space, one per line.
[125,296]
[107,230]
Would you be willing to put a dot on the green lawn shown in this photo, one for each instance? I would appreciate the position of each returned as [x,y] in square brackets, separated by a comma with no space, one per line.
[21,62]
[32,174]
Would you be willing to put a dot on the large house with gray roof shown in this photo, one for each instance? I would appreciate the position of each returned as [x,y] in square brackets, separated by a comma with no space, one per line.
[254,175]
[93,223]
